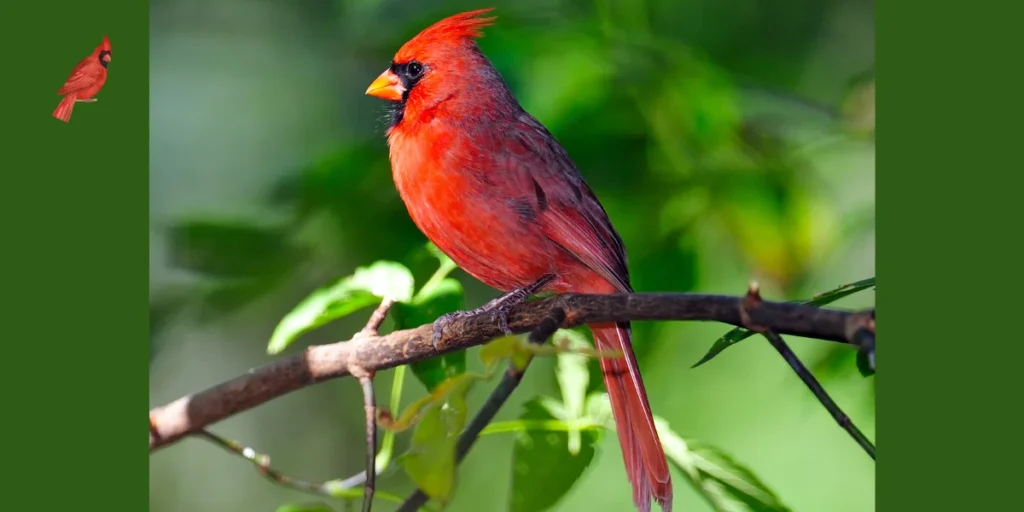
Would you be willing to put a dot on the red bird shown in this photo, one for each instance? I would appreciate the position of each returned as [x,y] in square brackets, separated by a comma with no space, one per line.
[493,189]
[85,81]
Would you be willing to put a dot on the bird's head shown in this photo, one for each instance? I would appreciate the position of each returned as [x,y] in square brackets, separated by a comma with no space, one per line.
[103,52]
[437,65]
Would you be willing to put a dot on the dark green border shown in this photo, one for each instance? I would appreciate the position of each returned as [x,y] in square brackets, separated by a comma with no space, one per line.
[949,158]
[74,220]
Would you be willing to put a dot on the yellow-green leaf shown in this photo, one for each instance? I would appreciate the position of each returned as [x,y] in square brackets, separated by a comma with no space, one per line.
[513,348]
[430,461]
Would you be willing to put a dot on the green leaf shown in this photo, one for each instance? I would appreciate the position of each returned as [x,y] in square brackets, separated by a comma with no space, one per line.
[446,267]
[573,377]
[543,469]
[436,298]
[439,295]
[387,445]
[727,485]
[311,507]
[363,288]
[445,296]
[513,348]
[430,461]
[599,409]
[520,425]
[831,296]
[739,334]
[227,249]
[408,417]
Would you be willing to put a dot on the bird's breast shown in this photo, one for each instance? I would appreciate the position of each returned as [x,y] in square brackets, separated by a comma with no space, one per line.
[465,210]
[437,192]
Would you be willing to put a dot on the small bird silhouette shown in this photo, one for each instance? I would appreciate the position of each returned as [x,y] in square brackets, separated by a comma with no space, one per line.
[85,81]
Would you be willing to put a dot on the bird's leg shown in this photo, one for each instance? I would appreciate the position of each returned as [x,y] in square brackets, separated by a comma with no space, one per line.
[500,306]
[90,100]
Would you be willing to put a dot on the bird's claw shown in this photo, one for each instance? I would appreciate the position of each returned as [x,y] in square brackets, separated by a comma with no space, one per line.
[444,321]
[502,318]
[438,332]
[499,307]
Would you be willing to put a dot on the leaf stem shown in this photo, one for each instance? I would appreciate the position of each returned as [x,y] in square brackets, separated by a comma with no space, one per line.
[504,427]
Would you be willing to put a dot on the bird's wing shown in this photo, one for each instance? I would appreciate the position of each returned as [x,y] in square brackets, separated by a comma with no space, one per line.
[81,77]
[568,211]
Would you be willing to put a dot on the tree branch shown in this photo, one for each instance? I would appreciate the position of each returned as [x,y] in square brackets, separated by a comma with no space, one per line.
[365,377]
[191,414]
[831,406]
[370,405]
[857,334]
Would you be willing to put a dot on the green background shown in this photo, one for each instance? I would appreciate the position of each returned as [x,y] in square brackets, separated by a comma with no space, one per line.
[721,137]
[73,204]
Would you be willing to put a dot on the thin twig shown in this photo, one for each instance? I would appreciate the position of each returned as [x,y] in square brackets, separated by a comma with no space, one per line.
[372,327]
[752,301]
[365,377]
[331,488]
[509,382]
[833,408]
[262,463]
[190,414]
[370,405]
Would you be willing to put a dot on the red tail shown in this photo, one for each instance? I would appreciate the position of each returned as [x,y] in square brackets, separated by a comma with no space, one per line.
[641,448]
[64,108]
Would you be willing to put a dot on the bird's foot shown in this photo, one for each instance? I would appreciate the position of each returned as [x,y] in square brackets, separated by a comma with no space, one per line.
[445,320]
[90,100]
[500,307]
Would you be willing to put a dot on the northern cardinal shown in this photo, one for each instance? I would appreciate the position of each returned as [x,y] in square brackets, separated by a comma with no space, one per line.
[494,190]
[85,81]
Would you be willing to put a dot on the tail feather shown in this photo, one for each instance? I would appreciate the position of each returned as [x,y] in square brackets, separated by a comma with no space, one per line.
[641,447]
[64,108]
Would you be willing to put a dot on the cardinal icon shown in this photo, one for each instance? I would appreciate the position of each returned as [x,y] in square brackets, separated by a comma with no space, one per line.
[85,81]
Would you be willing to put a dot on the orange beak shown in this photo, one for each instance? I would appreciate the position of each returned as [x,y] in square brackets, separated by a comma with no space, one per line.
[387,86]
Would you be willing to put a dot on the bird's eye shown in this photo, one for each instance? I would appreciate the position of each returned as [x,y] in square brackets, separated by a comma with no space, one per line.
[415,69]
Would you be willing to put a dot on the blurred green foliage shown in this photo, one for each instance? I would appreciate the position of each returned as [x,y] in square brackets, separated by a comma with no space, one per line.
[729,141]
